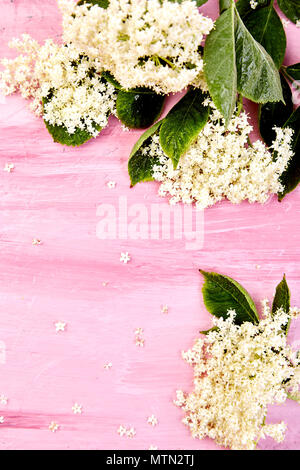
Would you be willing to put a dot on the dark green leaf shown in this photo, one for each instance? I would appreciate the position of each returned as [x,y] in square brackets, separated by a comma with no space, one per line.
[221,293]
[139,110]
[290,178]
[140,165]
[282,297]
[244,7]
[258,78]
[183,124]
[101,3]
[291,9]
[275,114]
[220,64]
[267,29]
[293,71]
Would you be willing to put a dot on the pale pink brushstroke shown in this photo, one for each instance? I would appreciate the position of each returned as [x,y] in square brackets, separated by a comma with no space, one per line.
[52,195]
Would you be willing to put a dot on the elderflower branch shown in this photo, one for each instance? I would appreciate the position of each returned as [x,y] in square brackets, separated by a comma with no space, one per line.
[238,371]
[222,163]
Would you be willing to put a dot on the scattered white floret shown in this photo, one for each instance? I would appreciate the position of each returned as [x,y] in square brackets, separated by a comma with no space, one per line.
[125,257]
[60,326]
[108,365]
[9,167]
[3,400]
[53,427]
[152,420]
[77,409]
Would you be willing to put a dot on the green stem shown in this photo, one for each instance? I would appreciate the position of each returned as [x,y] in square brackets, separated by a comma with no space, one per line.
[239,104]
[285,74]
[168,62]
[291,397]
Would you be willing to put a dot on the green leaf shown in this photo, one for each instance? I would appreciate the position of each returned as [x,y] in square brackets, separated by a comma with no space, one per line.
[101,3]
[282,297]
[282,300]
[220,63]
[140,109]
[267,29]
[275,114]
[293,71]
[140,165]
[244,7]
[183,124]
[290,178]
[258,78]
[291,9]
[62,136]
[221,293]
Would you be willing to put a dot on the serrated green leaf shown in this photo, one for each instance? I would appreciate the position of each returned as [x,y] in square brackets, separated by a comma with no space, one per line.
[290,178]
[220,63]
[293,71]
[183,124]
[244,7]
[291,9]
[140,165]
[139,110]
[275,114]
[221,293]
[282,297]
[258,78]
[101,3]
[267,29]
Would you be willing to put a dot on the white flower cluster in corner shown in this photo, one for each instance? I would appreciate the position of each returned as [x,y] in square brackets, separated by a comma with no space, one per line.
[220,164]
[76,97]
[238,372]
[149,43]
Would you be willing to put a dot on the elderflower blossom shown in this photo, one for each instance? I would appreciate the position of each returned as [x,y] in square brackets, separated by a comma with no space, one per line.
[74,95]
[220,164]
[149,43]
[238,371]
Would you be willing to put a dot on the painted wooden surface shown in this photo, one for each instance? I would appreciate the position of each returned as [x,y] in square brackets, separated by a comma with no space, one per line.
[57,195]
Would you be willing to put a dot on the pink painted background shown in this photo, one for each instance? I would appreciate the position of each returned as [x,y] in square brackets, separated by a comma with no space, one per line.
[53,194]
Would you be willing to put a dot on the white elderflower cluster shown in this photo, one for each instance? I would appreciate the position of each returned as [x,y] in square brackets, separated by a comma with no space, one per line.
[150,43]
[238,372]
[65,79]
[221,164]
